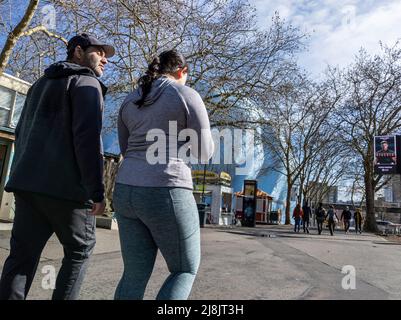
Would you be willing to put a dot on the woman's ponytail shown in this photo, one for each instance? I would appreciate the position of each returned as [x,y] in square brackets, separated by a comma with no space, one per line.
[147,79]
[166,63]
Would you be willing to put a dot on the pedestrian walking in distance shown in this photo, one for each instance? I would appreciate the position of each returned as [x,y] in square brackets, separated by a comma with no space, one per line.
[297,215]
[307,212]
[346,216]
[153,200]
[320,214]
[332,219]
[358,220]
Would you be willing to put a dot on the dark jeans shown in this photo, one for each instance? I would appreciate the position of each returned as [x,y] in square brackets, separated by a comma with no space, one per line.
[297,224]
[319,222]
[358,226]
[346,224]
[306,225]
[37,217]
[332,226]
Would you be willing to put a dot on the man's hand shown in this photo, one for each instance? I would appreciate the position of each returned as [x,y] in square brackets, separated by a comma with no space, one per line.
[98,208]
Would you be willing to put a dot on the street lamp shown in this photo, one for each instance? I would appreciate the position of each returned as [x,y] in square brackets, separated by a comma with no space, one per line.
[204,182]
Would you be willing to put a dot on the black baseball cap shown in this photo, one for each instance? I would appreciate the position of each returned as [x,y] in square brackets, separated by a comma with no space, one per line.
[85,40]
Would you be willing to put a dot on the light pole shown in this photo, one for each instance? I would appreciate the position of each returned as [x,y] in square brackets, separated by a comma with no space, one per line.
[204,182]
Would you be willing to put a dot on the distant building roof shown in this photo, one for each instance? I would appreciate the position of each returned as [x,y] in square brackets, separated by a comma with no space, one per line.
[259,194]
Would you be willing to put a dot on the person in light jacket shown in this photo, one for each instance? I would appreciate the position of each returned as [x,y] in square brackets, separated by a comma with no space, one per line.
[154,205]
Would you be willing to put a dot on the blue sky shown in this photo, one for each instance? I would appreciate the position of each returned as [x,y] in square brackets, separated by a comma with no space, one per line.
[337,28]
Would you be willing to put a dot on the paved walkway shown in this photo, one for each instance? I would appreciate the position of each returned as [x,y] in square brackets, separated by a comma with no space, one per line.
[266,262]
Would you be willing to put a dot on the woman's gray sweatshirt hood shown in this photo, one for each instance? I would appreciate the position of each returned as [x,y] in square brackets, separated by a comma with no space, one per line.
[158,86]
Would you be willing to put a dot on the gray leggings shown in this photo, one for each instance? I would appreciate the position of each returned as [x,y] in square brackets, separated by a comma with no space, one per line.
[157,218]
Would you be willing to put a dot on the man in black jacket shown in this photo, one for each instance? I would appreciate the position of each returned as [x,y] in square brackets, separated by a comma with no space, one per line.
[320,214]
[346,217]
[57,171]
[306,217]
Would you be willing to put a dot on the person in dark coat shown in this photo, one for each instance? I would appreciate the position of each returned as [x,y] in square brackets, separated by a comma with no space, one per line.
[320,214]
[332,219]
[306,217]
[57,170]
[358,220]
[346,218]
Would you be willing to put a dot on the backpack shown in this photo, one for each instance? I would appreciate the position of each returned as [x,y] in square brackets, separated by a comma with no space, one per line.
[332,216]
[320,213]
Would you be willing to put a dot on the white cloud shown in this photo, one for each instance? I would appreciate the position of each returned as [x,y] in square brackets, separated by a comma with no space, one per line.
[338,28]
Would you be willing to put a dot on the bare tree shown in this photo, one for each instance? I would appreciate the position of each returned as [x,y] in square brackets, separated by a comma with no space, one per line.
[371,106]
[16,33]
[326,168]
[357,187]
[230,59]
[23,29]
[295,133]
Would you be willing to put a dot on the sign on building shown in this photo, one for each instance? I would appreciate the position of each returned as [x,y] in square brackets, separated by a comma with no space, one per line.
[249,203]
[386,155]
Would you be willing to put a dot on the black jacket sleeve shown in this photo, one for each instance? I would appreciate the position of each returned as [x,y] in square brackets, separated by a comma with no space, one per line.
[87,109]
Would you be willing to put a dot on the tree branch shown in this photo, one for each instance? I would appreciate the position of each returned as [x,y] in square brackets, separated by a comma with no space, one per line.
[45,31]
[16,34]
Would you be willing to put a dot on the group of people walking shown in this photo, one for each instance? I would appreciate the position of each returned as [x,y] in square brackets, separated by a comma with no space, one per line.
[304,215]
[57,174]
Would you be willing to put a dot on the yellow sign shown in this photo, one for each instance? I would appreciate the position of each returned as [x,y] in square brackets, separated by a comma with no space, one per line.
[208,175]
[225,176]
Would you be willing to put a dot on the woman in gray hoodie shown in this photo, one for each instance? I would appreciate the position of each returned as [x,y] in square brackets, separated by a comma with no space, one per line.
[162,126]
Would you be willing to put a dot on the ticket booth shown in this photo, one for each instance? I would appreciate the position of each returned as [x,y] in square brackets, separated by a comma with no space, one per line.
[214,189]
[264,203]
[12,97]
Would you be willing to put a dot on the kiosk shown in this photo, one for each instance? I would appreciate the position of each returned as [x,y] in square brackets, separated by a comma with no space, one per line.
[264,203]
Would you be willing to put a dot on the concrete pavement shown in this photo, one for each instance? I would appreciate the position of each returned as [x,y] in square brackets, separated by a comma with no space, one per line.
[266,262]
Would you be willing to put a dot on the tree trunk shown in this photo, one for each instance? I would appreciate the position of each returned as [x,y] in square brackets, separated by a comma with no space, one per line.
[288,202]
[370,221]
[301,199]
[16,33]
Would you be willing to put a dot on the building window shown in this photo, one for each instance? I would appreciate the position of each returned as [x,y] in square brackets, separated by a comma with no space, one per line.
[6,102]
[19,103]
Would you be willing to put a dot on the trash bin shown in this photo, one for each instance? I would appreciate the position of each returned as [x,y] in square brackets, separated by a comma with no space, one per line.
[202,215]
[274,217]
